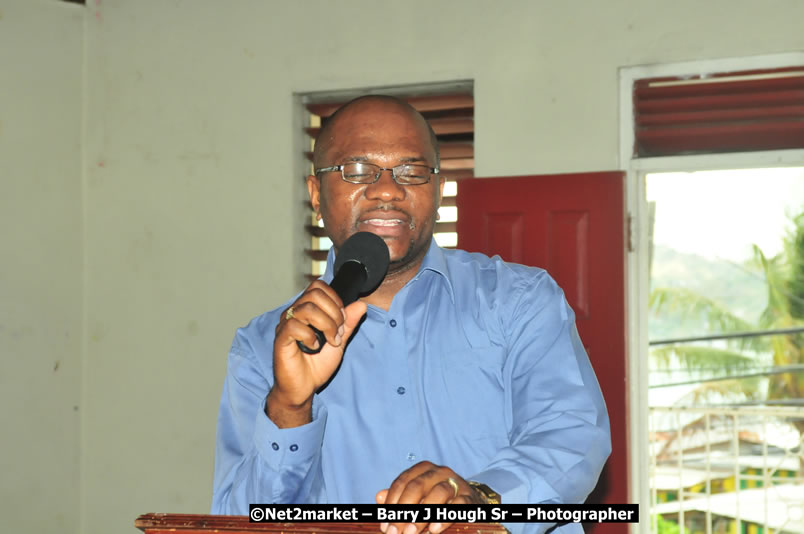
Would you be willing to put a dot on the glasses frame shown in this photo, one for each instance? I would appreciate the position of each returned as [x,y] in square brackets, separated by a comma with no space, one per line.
[334,168]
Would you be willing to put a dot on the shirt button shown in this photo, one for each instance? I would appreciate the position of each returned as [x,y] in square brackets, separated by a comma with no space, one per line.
[393,323]
[400,390]
[275,446]
[411,456]
[294,447]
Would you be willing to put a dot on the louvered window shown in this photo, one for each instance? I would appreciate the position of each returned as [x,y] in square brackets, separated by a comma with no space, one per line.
[452,118]
[716,113]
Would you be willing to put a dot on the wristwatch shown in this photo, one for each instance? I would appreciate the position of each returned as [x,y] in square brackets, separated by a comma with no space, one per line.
[488,495]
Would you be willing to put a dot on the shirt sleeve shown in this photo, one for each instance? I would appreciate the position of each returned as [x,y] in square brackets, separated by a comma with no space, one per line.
[255,461]
[560,435]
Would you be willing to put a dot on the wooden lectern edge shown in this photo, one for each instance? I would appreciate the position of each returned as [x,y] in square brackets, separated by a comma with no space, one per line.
[160,523]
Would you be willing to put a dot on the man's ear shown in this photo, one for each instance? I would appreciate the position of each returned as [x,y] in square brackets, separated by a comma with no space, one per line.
[314,191]
[440,190]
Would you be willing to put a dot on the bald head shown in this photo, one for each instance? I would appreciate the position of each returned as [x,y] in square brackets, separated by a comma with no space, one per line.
[368,108]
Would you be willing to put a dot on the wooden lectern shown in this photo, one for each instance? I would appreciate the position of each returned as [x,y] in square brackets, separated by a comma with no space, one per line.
[237,524]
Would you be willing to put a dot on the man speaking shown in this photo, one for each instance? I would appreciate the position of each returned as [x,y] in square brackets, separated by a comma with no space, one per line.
[460,379]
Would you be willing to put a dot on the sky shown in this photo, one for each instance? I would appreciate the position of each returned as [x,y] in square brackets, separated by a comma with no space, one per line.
[719,214]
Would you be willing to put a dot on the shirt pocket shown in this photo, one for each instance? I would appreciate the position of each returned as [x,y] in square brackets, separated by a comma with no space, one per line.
[473,387]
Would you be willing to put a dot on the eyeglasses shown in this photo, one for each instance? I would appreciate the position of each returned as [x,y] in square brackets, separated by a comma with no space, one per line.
[368,173]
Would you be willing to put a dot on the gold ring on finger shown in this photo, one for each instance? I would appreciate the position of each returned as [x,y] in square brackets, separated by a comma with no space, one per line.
[289,314]
[454,483]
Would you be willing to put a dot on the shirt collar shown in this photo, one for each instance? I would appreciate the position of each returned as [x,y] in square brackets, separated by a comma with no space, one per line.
[434,261]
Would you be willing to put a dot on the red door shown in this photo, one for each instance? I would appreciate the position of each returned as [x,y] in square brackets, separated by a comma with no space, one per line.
[572,225]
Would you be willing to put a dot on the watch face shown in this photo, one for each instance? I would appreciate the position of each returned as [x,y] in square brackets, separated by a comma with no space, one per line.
[489,495]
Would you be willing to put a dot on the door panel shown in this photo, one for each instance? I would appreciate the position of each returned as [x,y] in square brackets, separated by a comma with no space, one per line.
[572,225]
[568,256]
[503,231]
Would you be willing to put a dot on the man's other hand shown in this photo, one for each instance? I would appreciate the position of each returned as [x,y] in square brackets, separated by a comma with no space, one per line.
[426,483]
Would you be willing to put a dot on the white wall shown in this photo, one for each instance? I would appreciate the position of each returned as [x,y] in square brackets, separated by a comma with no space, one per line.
[41,254]
[192,197]
[193,184]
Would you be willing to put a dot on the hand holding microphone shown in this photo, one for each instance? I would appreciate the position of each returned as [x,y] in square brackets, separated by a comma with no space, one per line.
[360,266]
[312,334]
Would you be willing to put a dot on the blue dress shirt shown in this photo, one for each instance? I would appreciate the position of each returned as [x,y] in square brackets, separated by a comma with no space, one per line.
[477,365]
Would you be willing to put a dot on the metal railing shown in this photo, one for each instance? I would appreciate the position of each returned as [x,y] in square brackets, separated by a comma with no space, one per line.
[732,470]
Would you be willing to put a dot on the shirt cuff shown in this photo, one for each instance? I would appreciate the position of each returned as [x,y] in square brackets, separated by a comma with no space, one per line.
[283,446]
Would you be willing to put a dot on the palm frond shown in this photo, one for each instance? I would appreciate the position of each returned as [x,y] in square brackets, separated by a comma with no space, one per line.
[776,275]
[736,390]
[794,250]
[717,362]
[716,318]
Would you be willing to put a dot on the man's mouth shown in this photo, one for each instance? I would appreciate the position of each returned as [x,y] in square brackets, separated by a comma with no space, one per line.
[383,222]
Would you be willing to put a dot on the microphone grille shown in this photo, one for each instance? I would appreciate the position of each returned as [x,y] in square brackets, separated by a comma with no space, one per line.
[370,251]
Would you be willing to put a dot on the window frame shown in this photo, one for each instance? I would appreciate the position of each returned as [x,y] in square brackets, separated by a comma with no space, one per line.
[637,278]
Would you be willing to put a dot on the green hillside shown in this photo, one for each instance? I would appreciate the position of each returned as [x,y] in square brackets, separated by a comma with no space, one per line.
[735,286]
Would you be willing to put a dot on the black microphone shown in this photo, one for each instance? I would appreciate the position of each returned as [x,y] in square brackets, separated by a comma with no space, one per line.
[360,266]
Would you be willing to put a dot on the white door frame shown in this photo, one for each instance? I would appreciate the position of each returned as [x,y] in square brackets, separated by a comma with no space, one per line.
[637,282]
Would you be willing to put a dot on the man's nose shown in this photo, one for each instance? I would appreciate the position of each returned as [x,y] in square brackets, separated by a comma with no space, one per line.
[386,187]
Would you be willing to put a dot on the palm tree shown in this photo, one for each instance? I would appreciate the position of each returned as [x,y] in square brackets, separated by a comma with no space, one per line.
[784,276]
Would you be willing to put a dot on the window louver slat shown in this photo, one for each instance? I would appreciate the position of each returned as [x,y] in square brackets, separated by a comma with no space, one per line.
[457,164]
[456,150]
[733,101]
[721,116]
